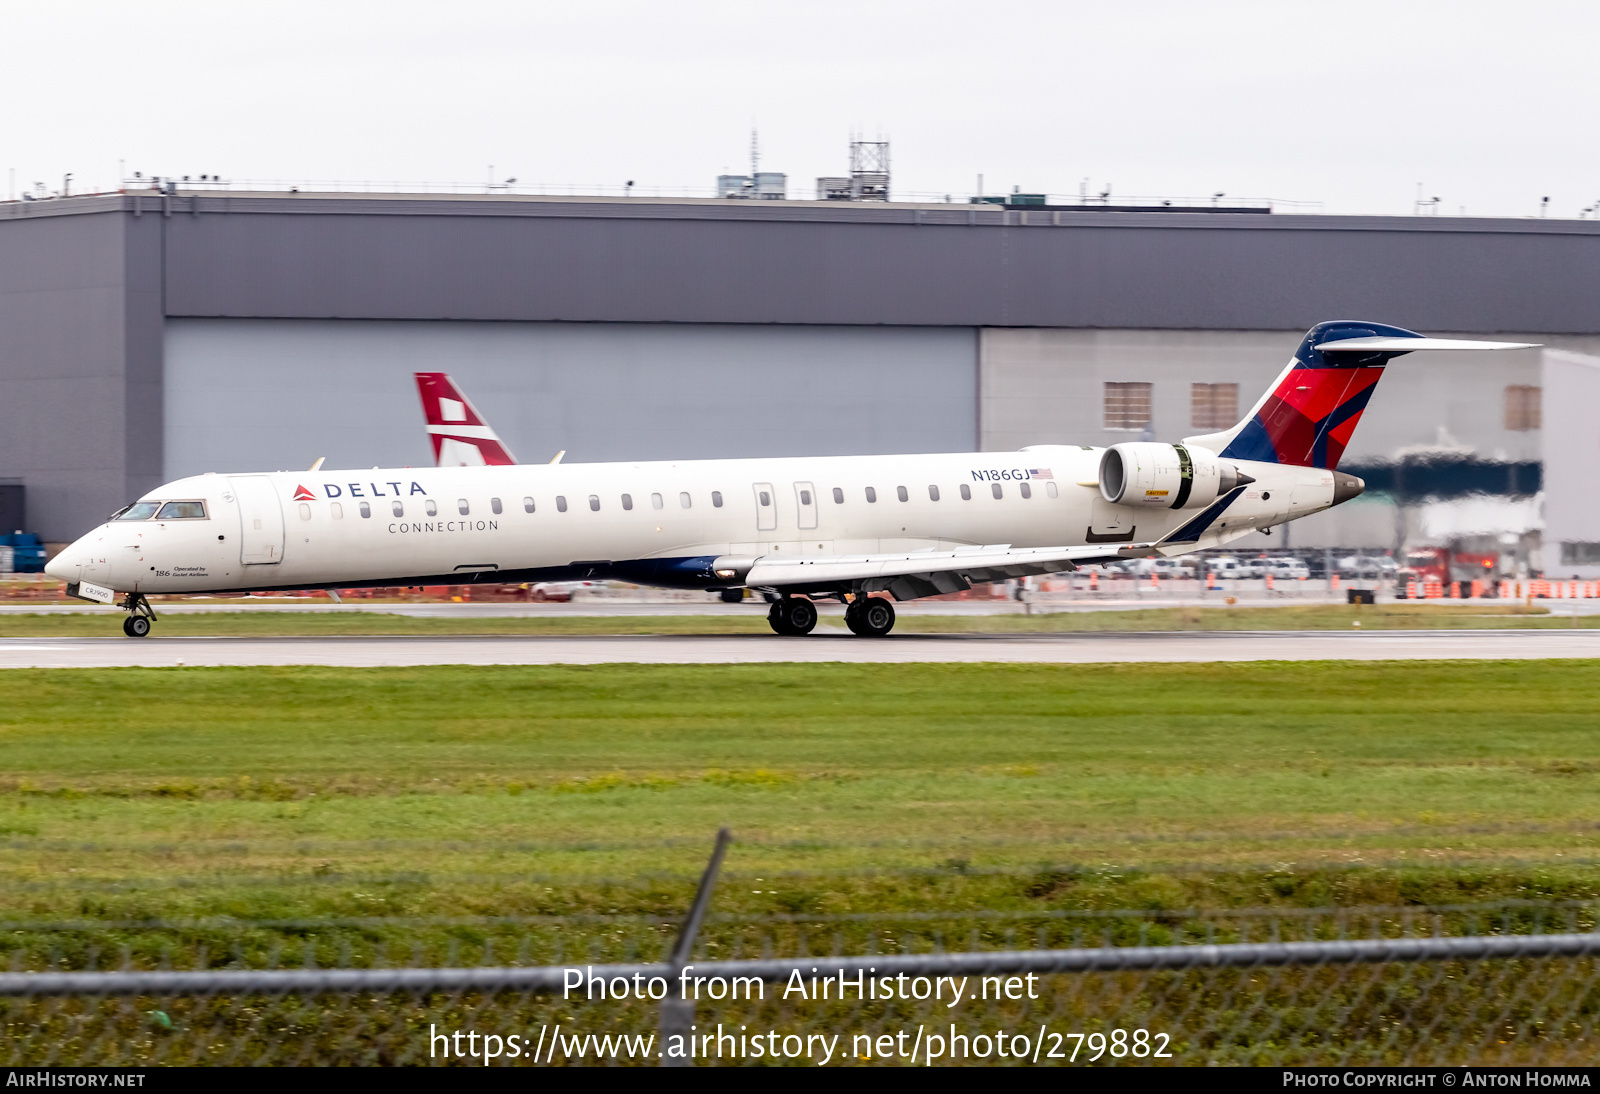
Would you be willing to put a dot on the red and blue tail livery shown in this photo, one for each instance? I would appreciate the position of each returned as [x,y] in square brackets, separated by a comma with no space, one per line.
[1308,417]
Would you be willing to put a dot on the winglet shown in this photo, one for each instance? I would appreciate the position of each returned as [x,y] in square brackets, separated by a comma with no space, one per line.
[557,457]
[318,465]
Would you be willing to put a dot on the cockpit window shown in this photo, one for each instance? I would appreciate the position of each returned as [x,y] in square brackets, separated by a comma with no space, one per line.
[139,510]
[182,510]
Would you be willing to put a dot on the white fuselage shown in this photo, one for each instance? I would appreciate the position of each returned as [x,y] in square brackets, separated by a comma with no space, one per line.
[424,525]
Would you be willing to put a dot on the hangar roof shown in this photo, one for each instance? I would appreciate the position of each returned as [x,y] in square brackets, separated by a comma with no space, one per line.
[506,257]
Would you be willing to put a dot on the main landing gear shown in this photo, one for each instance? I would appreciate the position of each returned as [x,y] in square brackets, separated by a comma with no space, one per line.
[792,616]
[869,616]
[140,616]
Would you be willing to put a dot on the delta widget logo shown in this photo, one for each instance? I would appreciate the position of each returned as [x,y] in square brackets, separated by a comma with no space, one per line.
[302,494]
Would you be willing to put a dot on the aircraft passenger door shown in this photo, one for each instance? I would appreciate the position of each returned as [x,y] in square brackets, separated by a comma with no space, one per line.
[260,520]
[805,498]
[766,507]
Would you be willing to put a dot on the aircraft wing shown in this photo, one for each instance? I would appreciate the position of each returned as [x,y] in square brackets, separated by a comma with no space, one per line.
[911,574]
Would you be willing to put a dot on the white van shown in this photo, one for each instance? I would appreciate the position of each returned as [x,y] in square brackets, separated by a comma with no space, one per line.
[1286,569]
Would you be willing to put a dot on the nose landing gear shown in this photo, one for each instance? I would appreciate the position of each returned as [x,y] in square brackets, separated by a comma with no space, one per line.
[141,615]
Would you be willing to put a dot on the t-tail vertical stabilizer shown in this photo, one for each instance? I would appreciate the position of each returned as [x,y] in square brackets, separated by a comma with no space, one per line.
[460,436]
[1308,416]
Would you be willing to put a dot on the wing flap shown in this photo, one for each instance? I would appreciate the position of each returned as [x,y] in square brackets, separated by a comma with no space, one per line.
[972,563]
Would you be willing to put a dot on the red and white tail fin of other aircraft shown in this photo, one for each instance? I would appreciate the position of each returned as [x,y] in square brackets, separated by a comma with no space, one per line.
[460,436]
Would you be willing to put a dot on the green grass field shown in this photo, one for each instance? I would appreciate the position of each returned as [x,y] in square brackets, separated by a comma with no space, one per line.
[313,791]
[1404,616]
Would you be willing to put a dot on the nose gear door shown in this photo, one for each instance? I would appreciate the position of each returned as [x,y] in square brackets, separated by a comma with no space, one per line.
[766,507]
[260,520]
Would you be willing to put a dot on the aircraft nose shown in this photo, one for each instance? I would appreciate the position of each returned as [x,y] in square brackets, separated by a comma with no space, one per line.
[68,565]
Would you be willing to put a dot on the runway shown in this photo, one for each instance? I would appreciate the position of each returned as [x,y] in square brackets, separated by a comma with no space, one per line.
[1083,648]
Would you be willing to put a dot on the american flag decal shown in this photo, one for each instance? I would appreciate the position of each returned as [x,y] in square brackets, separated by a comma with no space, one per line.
[1040,473]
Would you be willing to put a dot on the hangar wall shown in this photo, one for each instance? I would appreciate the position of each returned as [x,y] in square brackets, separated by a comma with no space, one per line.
[603,391]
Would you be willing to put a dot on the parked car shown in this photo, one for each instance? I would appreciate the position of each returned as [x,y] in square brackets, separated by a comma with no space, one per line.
[1286,569]
[1371,567]
[561,591]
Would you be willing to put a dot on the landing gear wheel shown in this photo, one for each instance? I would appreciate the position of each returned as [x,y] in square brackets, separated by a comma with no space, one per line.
[792,617]
[136,626]
[732,596]
[870,616]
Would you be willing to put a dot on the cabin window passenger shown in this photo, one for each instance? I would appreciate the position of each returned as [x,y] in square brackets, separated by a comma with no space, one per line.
[561,503]
[433,510]
[337,510]
[805,497]
[398,509]
[872,495]
[838,496]
[998,492]
[366,510]
[1027,491]
[627,503]
[305,511]
[182,510]
[462,506]
[527,505]
[933,493]
[494,506]
[716,499]
[966,492]
[655,501]
[594,503]
[1050,488]
[766,498]
[900,492]
[683,499]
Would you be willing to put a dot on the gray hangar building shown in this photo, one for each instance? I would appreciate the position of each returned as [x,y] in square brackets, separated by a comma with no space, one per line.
[147,335]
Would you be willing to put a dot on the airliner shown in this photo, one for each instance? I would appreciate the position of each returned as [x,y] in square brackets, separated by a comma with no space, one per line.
[867,531]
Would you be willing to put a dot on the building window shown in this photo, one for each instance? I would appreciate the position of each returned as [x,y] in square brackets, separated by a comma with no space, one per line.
[494,506]
[997,491]
[397,509]
[561,503]
[1580,554]
[872,495]
[1213,406]
[1127,405]
[966,492]
[1027,490]
[655,501]
[433,510]
[716,499]
[933,493]
[366,510]
[594,503]
[627,503]
[683,499]
[527,505]
[1524,410]
[838,496]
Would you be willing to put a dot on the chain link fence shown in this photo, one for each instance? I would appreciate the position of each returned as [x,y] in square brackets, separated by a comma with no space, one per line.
[1513,982]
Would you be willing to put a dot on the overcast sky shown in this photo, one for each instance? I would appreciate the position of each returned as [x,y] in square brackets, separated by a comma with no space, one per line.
[1490,106]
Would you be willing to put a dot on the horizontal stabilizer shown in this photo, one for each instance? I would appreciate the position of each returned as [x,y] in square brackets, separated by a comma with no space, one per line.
[1407,345]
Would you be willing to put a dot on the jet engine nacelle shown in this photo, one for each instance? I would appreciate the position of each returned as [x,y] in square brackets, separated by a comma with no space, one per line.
[1166,476]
